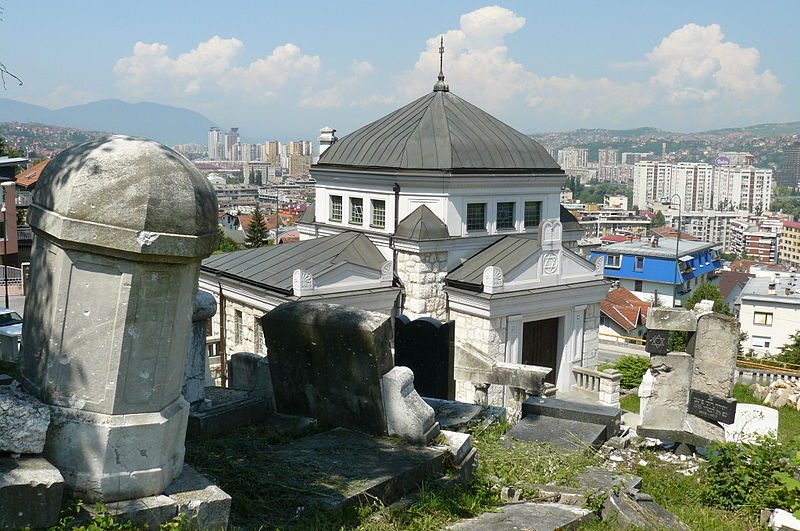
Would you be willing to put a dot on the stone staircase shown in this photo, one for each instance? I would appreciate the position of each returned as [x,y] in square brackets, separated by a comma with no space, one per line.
[567,424]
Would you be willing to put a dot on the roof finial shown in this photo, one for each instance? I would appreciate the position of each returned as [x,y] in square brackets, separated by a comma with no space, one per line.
[440,85]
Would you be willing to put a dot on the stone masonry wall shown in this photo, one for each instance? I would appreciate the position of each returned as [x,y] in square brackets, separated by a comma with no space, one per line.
[251,339]
[591,337]
[489,337]
[422,275]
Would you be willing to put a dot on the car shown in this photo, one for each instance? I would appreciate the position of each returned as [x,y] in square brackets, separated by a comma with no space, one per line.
[10,334]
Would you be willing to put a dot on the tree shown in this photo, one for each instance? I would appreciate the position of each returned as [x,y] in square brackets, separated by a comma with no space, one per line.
[655,301]
[256,233]
[708,291]
[790,352]
[658,220]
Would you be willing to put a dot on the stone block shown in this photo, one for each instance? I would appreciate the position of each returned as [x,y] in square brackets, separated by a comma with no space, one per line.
[781,520]
[263,384]
[639,511]
[407,415]
[751,422]
[23,422]
[196,371]
[242,370]
[715,354]
[610,417]
[563,433]
[669,398]
[30,493]
[599,478]
[327,362]
[151,511]
[229,409]
[205,505]
[544,516]
[671,319]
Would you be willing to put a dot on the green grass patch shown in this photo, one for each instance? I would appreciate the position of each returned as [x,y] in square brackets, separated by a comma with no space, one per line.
[8,368]
[788,418]
[630,402]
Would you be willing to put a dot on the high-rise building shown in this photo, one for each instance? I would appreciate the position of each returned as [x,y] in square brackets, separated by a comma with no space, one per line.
[657,181]
[745,188]
[633,158]
[790,173]
[214,143]
[607,156]
[231,138]
[571,158]
[735,158]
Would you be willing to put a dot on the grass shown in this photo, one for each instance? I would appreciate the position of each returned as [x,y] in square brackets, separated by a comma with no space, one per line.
[630,402]
[8,368]
[788,418]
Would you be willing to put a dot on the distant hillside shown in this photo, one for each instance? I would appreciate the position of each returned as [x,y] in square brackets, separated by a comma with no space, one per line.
[166,124]
[763,130]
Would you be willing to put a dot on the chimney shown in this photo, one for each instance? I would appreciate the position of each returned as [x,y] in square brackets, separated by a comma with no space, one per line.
[771,289]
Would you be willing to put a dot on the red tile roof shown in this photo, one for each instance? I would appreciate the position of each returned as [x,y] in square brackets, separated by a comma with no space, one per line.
[624,308]
[792,224]
[614,238]
[28,178]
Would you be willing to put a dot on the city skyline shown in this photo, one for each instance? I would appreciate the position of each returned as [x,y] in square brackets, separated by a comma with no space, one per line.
[279,72]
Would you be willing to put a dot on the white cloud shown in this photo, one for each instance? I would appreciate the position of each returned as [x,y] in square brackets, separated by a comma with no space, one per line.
[336,94]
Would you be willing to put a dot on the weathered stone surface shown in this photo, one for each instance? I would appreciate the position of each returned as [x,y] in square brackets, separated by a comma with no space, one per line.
[600,478]
[242,370]
[751,422]
[529,516]
[666,407]
[715,352]
[560,432]
[407,415]
[121,225]
[639,511]
[609,417]
[196,373]
[149,510]
[23,422]
[671,319]
[781,520]
[452,415]
[327,361]
[30,493]
[229,409]
[206,505]
[263,384]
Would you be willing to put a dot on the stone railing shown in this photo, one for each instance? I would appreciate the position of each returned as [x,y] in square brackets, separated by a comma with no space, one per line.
[602,386]
[24,233]
[750,375]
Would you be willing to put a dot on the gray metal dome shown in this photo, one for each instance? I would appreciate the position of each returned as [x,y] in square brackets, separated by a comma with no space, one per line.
[439,131]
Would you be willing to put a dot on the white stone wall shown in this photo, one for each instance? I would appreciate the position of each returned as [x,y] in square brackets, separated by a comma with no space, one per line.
[591,337]
[248,342]
[488,336]
[422,275]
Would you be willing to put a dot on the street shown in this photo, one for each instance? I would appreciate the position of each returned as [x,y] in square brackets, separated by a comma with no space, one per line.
[609,352]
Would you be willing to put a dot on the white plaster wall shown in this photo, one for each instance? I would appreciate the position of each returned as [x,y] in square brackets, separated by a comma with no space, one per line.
[785,322]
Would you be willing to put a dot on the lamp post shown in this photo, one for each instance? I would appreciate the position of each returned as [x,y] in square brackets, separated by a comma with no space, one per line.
[677,248]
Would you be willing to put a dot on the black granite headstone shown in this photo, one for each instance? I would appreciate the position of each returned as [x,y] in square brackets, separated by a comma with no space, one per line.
[657,341]
[426,346]
[711,407]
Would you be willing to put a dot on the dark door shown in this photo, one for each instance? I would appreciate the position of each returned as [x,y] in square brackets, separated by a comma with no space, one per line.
[426,346]
[540,345]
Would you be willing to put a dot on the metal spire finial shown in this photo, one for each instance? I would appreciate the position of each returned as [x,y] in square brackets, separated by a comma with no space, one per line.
[440,85]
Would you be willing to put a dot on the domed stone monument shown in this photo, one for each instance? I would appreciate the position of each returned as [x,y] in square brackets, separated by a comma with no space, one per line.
[120,227]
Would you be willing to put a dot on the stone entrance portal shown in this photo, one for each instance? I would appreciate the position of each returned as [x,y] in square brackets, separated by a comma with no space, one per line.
[540,345]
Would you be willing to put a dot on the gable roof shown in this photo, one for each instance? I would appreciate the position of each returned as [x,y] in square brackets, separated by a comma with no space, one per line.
[625,308]
[28,178]
[506,253]
[272,266]
[422,224]
[439,131]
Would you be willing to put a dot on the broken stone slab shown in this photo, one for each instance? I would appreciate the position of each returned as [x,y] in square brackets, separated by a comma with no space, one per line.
[639,511]
[452,415]
[671,319]
[715,351]
[151,511]
[23,421]
[464,454]
[242,370]
[781,520]
[607,416]
[327,361]
[197,371]
[529,516]
[600,478]
[559,494]
[30,493]
[205,505]
[669,397]
[571,435]
[752,421]
[407,415]
[229,409]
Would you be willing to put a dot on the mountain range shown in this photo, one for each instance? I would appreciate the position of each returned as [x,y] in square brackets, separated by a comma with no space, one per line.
[166,124]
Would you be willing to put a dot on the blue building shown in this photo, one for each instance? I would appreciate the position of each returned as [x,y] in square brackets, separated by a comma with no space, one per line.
[660,265]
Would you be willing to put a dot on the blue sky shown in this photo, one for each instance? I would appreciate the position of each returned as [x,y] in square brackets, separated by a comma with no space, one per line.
[284,69]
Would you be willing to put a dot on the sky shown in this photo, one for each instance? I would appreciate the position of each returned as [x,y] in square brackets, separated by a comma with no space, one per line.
[282,70]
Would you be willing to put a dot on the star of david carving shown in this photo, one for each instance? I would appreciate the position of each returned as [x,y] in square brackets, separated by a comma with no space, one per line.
[657,341]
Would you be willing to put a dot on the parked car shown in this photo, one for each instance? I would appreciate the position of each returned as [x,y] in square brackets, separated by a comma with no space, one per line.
[10,334]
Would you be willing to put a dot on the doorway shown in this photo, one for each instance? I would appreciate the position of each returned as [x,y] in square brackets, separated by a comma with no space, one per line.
[540,345]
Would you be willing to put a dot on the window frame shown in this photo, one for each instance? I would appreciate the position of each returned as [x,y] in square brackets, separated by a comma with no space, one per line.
[525,223]
[483,216]
[613,261]
[332,212]
[511,222]
[765,342]
[373,211]
[356,211]
[636,265]
[768,318]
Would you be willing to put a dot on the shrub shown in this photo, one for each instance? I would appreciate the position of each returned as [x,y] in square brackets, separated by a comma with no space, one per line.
[632,369]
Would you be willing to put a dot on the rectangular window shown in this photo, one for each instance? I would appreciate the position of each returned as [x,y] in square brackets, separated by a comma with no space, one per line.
[336,208]
[258,337]
[761,342]
[356,210]
[378,214]
[639,264]
[238,327]
[637,285]
[505,215]
[614,260]
[762,318]
[476,216]
[533,214]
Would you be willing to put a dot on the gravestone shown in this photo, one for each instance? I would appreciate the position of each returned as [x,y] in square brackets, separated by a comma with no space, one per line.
[427,347]
[120,226]
[686,395]
[326,362]
[751,422]
[198,373]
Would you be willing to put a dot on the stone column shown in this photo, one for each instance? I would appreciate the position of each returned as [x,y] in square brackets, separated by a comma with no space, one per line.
[120,227]
[197,370]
